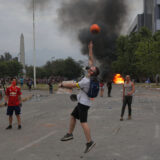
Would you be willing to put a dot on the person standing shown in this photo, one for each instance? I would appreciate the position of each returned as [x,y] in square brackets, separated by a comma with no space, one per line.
[29,84]
[1,92]
[80,112]
[109,86]
[50,84]
[13,100]
[21,81]
[128,90]
[101,84]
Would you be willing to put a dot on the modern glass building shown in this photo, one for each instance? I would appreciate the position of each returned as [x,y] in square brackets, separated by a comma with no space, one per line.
[150,18]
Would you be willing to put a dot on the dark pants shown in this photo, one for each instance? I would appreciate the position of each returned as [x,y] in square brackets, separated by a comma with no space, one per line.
[29,87]
[109,91]
[81,112]
[127,100]
[51,90]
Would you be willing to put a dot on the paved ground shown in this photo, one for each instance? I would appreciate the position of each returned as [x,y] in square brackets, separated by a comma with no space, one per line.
[45,120]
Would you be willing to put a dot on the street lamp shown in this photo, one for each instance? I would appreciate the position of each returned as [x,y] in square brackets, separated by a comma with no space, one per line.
[52,58]
[34,46]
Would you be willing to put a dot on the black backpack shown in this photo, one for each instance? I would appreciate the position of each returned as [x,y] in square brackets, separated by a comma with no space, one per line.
[93,88]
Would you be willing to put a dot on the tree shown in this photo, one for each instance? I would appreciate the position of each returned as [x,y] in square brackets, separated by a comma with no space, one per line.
[6,57]
[29,71]
[67,68]
[138,54]
[9,66]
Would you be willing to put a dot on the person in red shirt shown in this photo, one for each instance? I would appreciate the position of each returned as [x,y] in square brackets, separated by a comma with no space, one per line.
[13,100]
[101,84]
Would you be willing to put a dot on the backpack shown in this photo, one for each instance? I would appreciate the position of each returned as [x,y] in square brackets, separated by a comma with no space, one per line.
[93,88]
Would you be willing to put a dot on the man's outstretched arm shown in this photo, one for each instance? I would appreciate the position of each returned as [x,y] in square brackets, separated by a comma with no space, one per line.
[91,60]
[69,85]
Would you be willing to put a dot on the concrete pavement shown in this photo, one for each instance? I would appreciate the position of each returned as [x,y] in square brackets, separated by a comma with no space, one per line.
[45,120]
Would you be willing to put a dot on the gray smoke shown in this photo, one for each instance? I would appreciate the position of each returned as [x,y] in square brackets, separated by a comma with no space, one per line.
[41,4]
[110,15]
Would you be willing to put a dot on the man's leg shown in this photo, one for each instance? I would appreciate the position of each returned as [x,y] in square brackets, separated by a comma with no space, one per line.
[109,92]
[18,119]
[83,116]
[18,112]
[10,114]
[129,107]
[86,131]
[90,144]
[72,125]
[101,92]
[10,120]
[123,108]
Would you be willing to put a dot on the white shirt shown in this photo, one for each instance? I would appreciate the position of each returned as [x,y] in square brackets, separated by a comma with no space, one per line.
[82,96]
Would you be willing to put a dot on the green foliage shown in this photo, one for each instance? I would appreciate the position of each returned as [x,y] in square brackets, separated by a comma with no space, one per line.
[138,54]
[68,68]
[9,66]
[29,71]
[5,57]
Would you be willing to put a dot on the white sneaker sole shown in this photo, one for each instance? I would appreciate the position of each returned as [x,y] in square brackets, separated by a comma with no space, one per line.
[67,139]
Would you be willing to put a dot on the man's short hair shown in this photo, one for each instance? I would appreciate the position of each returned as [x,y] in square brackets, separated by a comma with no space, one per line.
[97,72]
[14,78]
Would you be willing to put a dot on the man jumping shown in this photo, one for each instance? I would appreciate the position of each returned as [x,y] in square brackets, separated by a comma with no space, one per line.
[80,112]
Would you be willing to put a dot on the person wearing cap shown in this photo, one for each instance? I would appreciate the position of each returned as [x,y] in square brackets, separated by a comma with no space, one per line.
[80,112]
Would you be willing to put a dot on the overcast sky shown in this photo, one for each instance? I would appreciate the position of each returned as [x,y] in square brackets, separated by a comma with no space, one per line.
[15,18]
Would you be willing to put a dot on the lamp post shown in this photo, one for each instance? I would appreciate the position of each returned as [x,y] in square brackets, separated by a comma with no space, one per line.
[34,46]
[53,58]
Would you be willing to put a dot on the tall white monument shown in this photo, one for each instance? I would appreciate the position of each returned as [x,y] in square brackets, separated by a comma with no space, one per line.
[22,52]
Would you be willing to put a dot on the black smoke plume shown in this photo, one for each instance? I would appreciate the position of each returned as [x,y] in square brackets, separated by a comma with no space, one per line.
[110,15]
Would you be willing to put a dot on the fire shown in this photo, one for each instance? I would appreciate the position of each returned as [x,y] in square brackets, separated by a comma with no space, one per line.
[118,79]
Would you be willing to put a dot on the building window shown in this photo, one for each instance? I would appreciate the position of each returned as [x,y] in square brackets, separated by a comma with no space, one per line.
[158,11]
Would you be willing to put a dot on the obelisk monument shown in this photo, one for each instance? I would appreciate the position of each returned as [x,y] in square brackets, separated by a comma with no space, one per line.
[22,53]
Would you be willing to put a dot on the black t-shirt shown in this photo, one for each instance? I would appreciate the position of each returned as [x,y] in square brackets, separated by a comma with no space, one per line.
[109,84]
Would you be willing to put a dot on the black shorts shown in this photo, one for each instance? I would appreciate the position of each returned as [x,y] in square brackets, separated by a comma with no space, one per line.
[80,112]
[11,109]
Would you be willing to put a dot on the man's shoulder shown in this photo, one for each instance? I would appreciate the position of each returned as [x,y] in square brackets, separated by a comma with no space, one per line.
[17,87]
[8,87]
[86,79]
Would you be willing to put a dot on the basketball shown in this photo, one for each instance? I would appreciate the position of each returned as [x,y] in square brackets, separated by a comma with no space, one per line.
[95,29]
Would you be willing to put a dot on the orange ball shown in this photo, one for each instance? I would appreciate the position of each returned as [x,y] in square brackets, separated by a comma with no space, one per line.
[95,29]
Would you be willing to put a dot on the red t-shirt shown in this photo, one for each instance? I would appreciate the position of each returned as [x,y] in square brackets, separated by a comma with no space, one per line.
[13,94]
[101,84]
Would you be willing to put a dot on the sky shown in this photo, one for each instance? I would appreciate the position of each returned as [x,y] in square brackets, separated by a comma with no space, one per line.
[51,42]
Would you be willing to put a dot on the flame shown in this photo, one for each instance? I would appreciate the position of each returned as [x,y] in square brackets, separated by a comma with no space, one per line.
[118,79]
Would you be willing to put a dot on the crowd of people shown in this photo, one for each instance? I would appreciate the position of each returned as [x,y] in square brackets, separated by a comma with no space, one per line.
[4,82]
